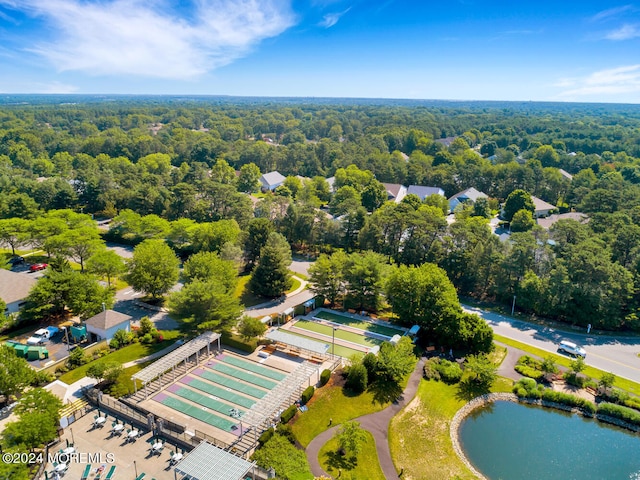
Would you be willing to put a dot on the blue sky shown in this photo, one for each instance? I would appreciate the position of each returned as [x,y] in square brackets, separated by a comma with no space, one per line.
[423,49]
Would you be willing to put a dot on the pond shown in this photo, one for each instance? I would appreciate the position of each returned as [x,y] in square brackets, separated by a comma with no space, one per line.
[512,441]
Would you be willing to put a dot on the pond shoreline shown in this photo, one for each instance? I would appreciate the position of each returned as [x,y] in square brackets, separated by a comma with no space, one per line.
[483,400]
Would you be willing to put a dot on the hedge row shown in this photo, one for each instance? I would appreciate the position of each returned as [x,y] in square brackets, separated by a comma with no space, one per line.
[235,342]
[618,411]
[528,371]
[324,377]
[288,414]
[307,394]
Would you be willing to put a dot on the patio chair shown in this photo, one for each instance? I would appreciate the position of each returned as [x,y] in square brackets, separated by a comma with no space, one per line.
[141,476]
[110,473]
[87,471]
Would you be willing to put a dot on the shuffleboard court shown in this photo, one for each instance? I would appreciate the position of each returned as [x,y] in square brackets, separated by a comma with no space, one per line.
[359,324]
[197,412]
[342,334]
[219,392]
[230,382]
[252,367]
[242,375]
[341,351]
[204,400]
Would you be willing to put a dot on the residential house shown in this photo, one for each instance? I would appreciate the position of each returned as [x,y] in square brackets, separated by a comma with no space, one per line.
[447,141]
[542,208]
[468,195]
[14,289]
[395,191]
[105,324]
[331,181]
[548,222]
[424,192]
[271,180]
[565,174]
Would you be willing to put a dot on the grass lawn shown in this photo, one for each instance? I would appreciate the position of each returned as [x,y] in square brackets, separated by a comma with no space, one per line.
[331,402]
[622,383]
[124,355]
[246,296]
[364,466]
[295,283]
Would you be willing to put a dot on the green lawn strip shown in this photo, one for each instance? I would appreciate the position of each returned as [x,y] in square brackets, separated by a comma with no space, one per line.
[622,383]
[246,296]
[342,334]
[341,351]
[295,283]
[124,355]
[360,324]
[364,466]
[331,402]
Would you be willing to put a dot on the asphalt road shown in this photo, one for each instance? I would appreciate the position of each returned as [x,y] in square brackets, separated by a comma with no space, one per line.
[611,354]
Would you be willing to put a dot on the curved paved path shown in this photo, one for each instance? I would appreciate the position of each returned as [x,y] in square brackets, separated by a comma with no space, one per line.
[377,424]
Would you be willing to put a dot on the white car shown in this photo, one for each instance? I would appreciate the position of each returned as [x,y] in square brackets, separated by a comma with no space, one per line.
[572,349]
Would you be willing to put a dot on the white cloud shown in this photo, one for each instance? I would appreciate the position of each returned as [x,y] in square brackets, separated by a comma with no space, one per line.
[614,81]
[146,38]
[611,13]
[625,32]
[330,19]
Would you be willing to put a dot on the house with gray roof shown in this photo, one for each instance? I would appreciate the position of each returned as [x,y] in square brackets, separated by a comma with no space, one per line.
[465,196]
[14,289]
[423,192]
[271,180]
[542,208]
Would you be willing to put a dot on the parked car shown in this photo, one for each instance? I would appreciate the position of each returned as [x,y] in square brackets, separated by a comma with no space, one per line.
[571,348]
[16,261]
[42,335]
[37,267]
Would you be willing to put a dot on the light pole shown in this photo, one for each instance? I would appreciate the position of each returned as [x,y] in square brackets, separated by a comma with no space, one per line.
[513,306]
[333,342]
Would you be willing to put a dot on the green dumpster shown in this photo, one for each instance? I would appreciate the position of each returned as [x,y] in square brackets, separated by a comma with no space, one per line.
[21,350]
[37,353]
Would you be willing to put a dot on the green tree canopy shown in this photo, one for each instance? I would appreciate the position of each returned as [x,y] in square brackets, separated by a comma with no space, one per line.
[208,266]
[517,200]
[153,269]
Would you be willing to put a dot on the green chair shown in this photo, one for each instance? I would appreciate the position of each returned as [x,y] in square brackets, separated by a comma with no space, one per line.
[87,471]
[112,470]
[141,476]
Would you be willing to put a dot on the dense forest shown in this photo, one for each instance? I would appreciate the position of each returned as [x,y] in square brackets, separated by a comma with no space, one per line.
[181,169]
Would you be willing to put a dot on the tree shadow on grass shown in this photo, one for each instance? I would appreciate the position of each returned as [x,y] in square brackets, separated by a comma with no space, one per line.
[385,391]
[336,461]
[469,389]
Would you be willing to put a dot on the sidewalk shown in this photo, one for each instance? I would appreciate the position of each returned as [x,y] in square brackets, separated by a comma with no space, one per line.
[377,424]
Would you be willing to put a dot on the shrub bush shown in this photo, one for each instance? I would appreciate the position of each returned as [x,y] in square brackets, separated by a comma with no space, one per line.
[429,371]
[324,377]
[266,436]
[618,411]
[307,394]
[528,371]
[287,432]
[234,342]
[288,414]
[527,388]
[574,379]
[568,399]
[530,362]
[450,372]
[357,378]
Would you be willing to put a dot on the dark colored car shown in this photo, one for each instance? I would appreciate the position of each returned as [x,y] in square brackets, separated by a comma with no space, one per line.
[16,261]
[37,267]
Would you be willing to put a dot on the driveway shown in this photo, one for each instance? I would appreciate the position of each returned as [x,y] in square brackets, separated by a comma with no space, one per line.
[617,355]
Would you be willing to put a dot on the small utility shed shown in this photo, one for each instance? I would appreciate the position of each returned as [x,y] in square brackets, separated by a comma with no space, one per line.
[105,324]
[14,288]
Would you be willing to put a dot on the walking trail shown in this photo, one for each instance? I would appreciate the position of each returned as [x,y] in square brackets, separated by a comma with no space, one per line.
[377,424]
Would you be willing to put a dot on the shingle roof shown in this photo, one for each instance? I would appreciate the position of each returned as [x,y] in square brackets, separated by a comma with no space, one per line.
[540,204]
[107,319]
[546,223]
[424,192]
[272,178]
[393,189]
[14,286]
[469,194]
